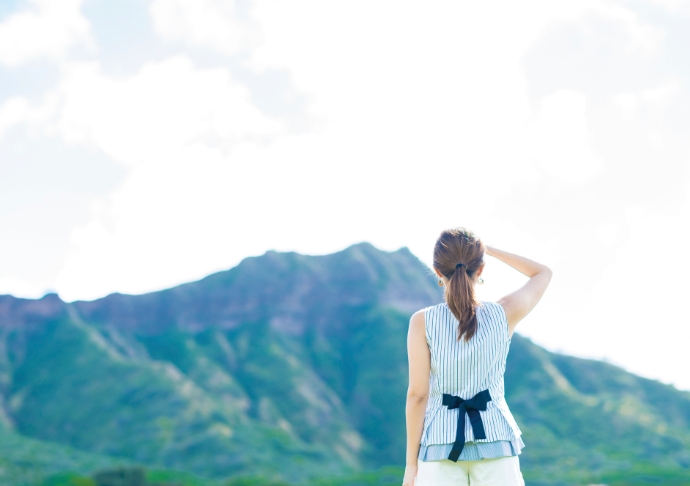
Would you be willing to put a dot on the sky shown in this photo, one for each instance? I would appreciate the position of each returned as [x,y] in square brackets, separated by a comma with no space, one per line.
[147,143]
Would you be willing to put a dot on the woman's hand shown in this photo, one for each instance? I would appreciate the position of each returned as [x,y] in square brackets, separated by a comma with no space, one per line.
[410,475]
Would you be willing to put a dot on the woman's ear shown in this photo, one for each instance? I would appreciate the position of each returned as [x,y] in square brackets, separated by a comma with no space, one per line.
[480,270]
[438,273]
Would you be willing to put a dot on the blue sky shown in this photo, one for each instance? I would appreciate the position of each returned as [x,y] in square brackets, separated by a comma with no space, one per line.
[148,143]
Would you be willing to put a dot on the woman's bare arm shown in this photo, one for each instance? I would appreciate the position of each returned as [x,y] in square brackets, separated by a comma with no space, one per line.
[417,392]
[521,302]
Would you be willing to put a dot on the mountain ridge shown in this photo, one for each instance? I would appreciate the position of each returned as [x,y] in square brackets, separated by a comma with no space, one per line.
[295,366]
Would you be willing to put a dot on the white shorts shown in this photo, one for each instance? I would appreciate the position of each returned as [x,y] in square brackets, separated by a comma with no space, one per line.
[504,471]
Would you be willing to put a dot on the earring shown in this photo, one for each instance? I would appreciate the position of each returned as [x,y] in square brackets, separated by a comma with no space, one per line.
[480,281]
[440,282]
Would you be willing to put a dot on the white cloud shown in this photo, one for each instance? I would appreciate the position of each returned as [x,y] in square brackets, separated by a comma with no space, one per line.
[676,6]
[19,287]
[390,113]
[609,235]
[174,126]
[208,23]
[643,37]
[163,108]
[628,104]
[641,297]
[18,110]
[12,112]
[561,137]
[660,96]
[47,29]
[147,116]
[180,220]
[648,106]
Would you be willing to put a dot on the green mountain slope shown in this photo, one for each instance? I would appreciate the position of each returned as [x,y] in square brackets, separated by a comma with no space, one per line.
[25,461]
[586,421]
[295,366]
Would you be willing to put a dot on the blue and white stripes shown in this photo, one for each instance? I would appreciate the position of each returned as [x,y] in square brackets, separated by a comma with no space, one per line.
[472,451]
[464,369]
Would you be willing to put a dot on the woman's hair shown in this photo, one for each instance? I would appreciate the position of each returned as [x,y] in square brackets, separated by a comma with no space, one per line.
[458,255]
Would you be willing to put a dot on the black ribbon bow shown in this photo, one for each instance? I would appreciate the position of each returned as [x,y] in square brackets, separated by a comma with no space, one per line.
[470,407]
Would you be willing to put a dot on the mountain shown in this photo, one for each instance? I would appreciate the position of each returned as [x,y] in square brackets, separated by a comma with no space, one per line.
[295,366]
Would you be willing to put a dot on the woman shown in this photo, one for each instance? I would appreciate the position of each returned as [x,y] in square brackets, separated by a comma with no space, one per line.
[459,428]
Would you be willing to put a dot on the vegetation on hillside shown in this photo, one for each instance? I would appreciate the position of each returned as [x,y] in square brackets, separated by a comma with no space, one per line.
[292,369]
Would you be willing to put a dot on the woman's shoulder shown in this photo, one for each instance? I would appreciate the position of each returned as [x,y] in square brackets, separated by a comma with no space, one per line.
[428,313]
[432,308]
[442,305]
[492,310]
[435,310]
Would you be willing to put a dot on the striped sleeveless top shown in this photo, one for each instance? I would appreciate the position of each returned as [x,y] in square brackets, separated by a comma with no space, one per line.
[464,369]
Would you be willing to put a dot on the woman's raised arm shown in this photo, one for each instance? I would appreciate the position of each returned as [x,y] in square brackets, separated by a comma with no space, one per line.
[521,302]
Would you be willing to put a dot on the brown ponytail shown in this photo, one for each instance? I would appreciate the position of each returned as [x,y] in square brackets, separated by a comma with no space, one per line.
[458,255]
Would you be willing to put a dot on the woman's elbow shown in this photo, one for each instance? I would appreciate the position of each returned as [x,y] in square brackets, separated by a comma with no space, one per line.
[545,273]
[417,396]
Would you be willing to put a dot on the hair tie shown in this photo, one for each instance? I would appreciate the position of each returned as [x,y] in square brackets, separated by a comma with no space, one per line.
[459,265]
